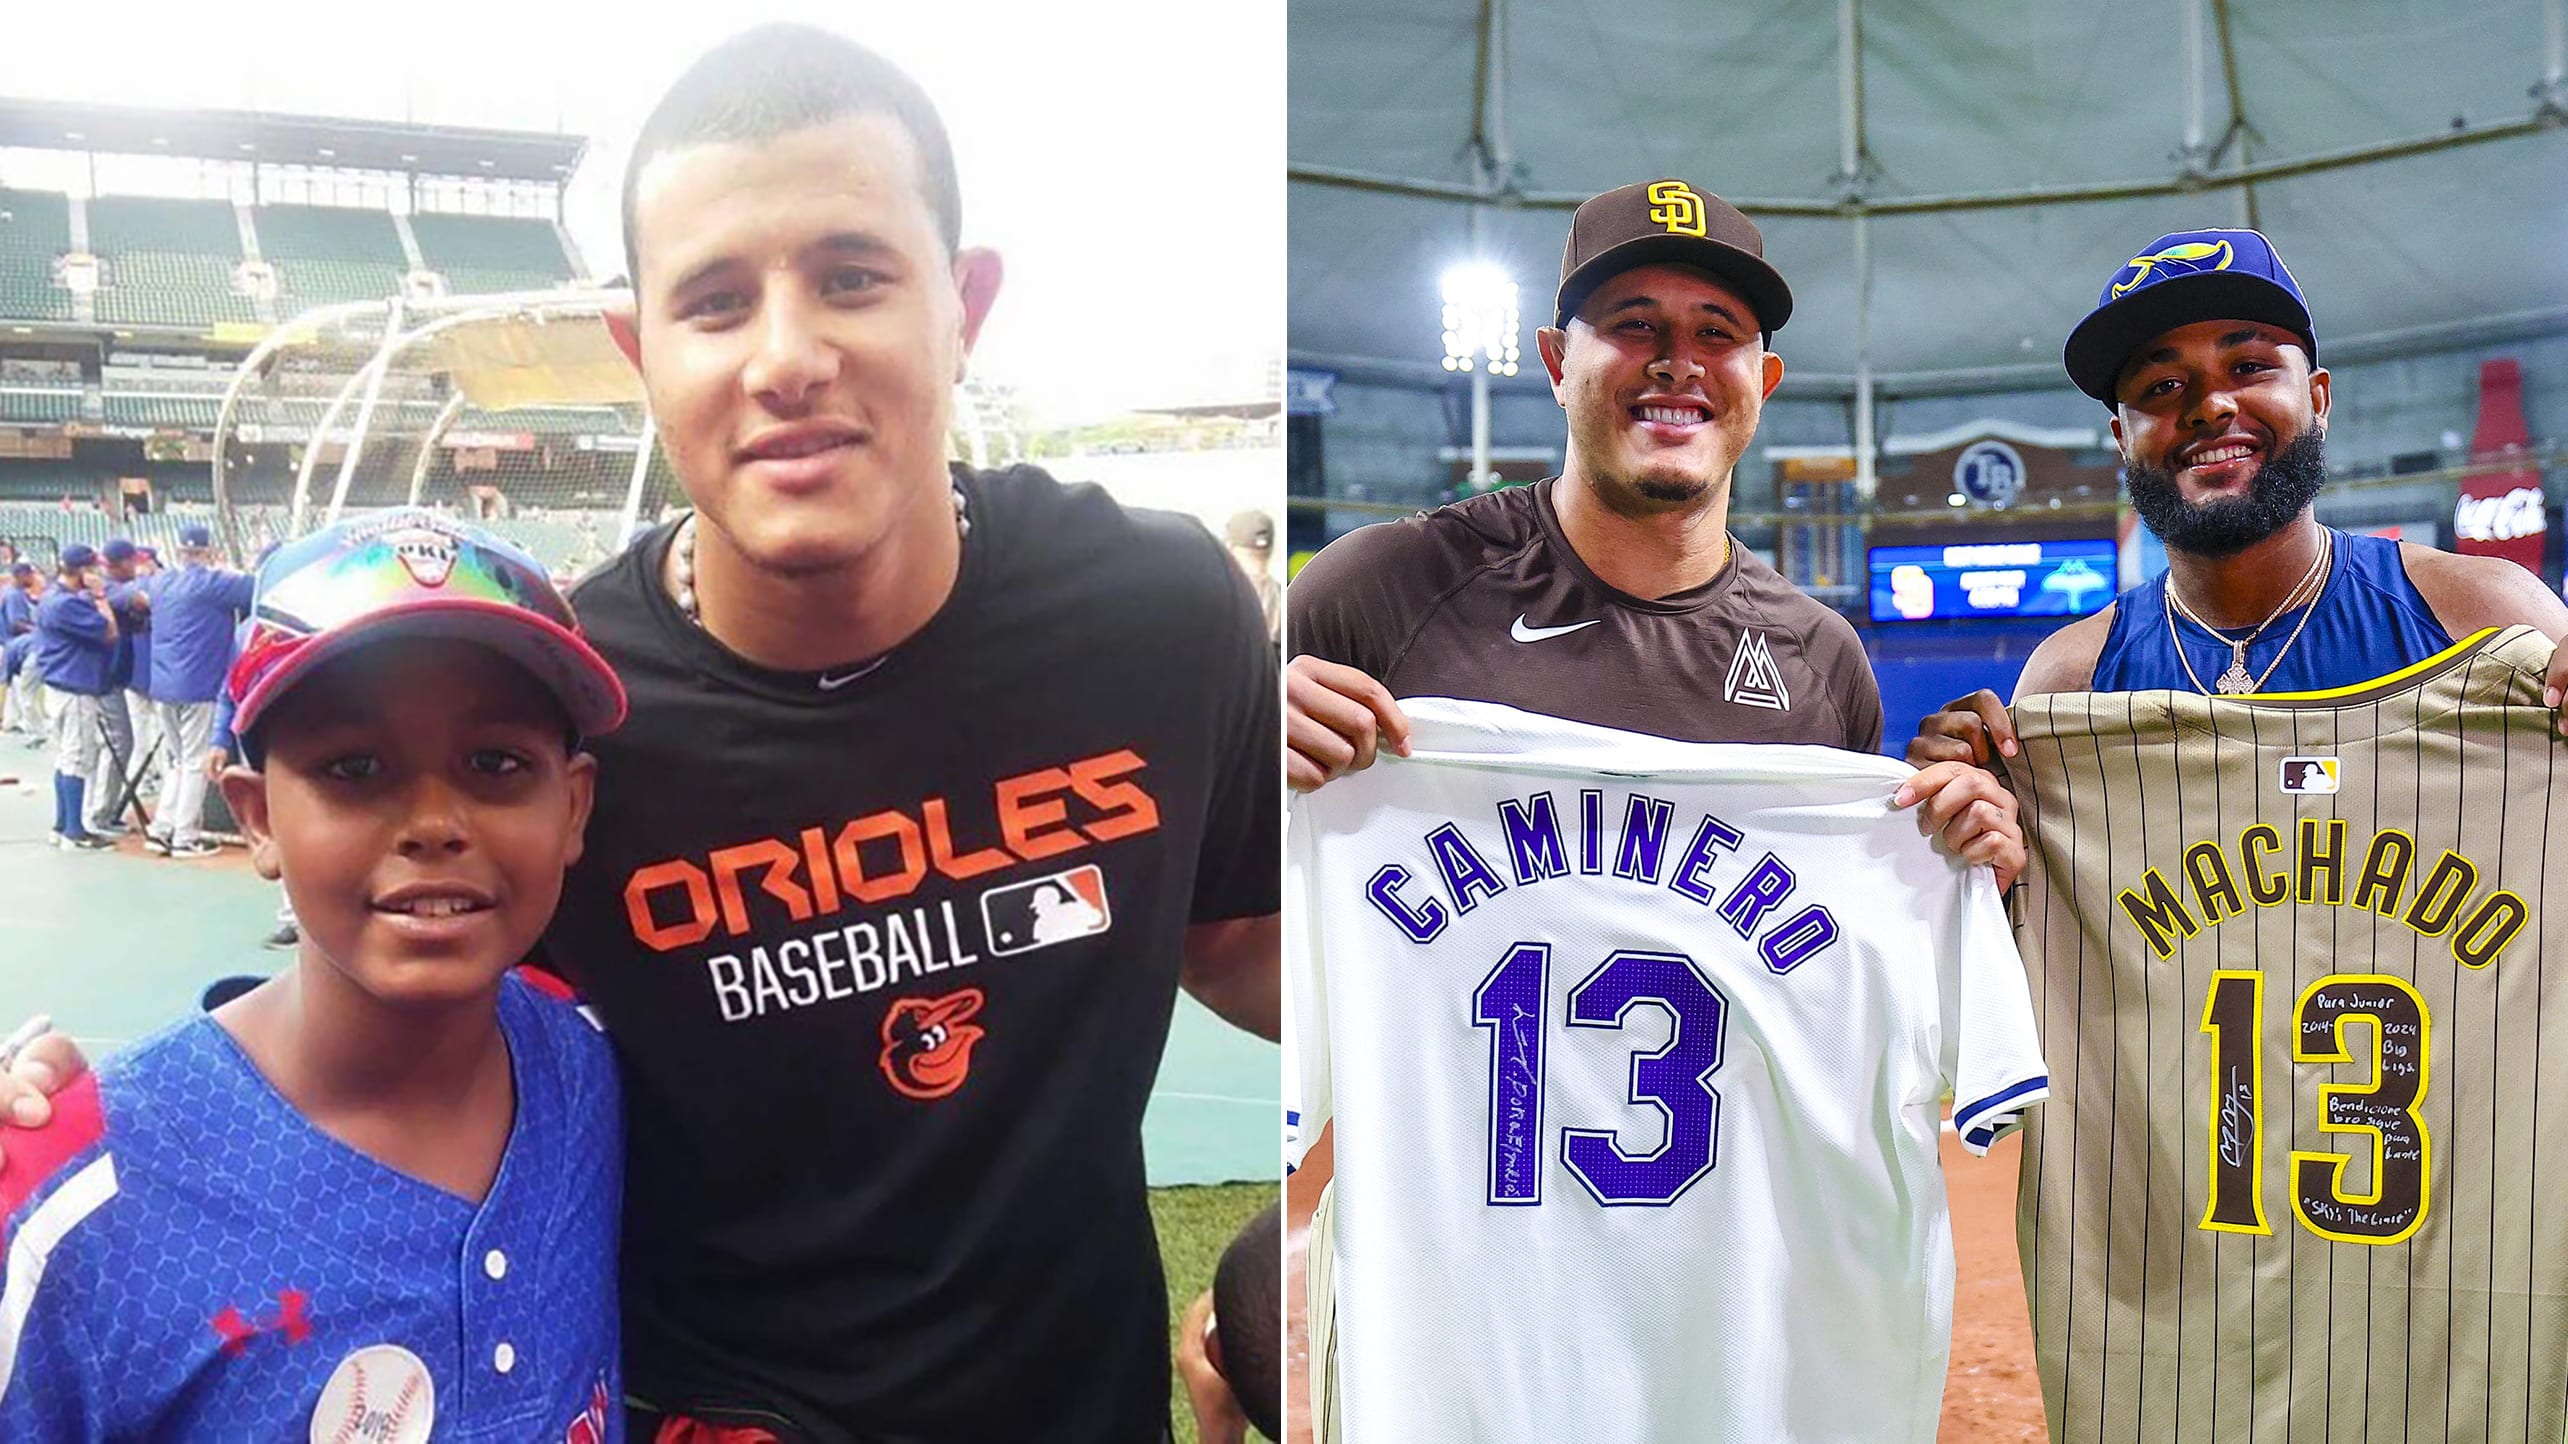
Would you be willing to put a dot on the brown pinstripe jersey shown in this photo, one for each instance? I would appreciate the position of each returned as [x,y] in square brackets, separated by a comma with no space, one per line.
[2298,1178]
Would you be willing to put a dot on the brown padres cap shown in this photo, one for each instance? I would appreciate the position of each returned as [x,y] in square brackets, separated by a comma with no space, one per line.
[1667,220]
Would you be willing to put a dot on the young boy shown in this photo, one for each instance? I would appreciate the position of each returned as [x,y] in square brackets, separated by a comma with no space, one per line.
[377,1194]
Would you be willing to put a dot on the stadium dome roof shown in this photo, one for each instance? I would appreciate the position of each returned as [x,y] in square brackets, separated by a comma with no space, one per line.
[2410,162]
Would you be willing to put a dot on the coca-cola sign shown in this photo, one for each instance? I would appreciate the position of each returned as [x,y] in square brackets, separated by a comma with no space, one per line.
[2514,515]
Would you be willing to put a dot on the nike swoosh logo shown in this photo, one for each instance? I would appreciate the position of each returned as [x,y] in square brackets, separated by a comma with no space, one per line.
[1523,633]
[832,684]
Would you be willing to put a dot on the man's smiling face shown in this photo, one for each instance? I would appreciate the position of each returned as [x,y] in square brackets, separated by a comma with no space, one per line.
[801,327]
[2221,426]
[1663,374]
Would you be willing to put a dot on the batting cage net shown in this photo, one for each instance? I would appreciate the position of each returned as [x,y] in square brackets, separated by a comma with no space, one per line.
[515,411]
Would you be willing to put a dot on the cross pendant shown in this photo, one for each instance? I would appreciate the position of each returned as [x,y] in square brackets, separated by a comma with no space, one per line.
[2235,682]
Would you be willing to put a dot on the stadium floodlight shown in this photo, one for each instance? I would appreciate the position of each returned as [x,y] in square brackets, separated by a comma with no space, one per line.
[1480,319]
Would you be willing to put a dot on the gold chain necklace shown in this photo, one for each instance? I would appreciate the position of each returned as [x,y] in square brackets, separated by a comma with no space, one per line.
[682,547]
[2235,681]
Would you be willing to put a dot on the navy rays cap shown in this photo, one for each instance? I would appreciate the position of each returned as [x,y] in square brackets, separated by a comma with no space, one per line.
[2179,279]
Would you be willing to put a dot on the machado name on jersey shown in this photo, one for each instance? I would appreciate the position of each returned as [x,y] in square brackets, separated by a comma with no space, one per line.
[2292,955]
[1634,1050]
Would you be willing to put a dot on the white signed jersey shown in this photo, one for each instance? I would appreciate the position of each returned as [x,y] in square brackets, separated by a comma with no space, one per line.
[1634,1050]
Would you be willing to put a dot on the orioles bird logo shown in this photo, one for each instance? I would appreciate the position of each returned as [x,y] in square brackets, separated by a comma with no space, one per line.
[927,1043]
[2182,260]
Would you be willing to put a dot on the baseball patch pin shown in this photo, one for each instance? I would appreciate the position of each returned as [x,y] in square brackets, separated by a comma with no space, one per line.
[378,1395]
[2315,775]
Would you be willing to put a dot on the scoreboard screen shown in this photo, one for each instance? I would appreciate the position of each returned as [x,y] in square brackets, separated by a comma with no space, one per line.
[1992,579]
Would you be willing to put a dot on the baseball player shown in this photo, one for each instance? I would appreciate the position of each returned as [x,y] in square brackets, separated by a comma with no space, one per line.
[118,568]
[1612,594]
[2203,349]
[76,633]
[374,1198]
[18,593]
[195,607]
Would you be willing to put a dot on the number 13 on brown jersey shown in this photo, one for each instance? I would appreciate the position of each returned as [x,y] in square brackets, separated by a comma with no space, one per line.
[2301,967]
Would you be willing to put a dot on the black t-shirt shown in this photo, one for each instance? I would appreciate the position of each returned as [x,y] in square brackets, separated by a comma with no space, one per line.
[889,957]
[1487,601]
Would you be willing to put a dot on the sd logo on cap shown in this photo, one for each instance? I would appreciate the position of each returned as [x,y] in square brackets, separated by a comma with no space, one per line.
[1667,220]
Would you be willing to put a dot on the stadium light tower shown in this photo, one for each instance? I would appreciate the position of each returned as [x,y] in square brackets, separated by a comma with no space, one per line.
[1481,324]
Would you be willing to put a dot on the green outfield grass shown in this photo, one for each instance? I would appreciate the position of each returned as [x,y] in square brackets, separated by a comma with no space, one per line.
[1195,1225]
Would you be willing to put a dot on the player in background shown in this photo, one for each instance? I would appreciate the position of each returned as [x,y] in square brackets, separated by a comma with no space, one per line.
[118,569]
[76,634]
[1251,535]
[195,608]
[138,688]
[17,619]
[378,1193]
[2203,349]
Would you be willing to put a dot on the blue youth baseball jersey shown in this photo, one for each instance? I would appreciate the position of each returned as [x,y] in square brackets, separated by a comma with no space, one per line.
[188,1257]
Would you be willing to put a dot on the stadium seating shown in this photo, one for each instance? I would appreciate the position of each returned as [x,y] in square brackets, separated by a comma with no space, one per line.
[35,227]
[191,412]
[39,406]
[167,262]
[482,254]
[548,420]
[329,254]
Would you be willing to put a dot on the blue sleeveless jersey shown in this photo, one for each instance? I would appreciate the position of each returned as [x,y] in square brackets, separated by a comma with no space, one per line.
[2368,621]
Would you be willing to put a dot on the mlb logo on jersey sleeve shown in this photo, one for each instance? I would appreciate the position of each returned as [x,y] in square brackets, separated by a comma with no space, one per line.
[1029,915]
[2309,774]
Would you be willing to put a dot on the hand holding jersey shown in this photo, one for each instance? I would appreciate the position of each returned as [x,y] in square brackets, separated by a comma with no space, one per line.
[2337,810]
[2299,995]
[1634,1049]
[1611,596]
[1336,719]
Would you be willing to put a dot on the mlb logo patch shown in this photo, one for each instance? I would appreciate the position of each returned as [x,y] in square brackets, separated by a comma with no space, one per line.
[429,556]
[2309,774]
[1028,915]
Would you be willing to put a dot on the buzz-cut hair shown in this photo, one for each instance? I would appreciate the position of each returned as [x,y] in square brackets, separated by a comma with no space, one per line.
[1248,1312]
[779,78]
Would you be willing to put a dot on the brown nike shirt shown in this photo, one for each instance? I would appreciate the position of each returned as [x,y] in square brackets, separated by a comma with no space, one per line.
[1485,600]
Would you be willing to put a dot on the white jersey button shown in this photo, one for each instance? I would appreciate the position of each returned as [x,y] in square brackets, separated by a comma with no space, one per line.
[495,1264]
[504,1358]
